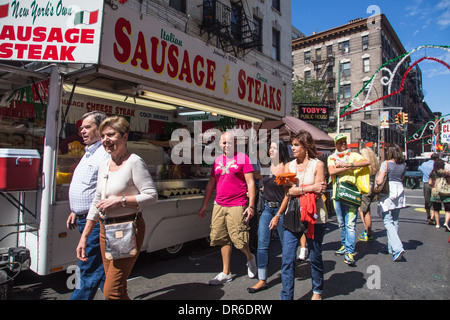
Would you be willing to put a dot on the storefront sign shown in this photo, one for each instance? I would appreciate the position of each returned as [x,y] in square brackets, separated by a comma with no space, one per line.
[313,112]
[80,105]
[50,30]
[445,133]
[170,56]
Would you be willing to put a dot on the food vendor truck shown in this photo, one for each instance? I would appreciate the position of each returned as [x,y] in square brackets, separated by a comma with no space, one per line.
[105,57]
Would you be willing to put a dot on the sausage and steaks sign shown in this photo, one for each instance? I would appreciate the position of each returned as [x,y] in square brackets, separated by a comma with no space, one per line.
[172,57]
[51,30]
[312,112]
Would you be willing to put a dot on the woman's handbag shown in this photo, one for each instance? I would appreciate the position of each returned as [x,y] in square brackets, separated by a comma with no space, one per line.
[120,240]
[292,220]
[120,237]
[348,194]
[443,187]
[383,188]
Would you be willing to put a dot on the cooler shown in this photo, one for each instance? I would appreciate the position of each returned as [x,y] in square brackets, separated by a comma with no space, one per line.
[19,169]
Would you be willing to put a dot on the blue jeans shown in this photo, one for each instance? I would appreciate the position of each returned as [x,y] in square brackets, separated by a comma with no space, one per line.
[92,272]
[290,245]
[264,234]
[390,220]
[346,217]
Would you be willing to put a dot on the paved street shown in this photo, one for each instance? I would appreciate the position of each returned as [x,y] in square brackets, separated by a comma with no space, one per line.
[423,273]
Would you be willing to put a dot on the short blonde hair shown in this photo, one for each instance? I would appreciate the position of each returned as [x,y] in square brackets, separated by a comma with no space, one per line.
[117,123]
[368,154]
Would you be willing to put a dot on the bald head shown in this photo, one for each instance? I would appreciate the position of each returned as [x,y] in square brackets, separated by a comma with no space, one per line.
[227,143]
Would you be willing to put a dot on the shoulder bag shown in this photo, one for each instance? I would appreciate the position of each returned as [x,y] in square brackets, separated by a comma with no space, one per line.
[348,194]
[292,216]
[292,219]
[443,187]
[383,188]
[120,237]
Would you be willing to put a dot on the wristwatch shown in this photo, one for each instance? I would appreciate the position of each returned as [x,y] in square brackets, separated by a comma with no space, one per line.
[123,201]
[278,215]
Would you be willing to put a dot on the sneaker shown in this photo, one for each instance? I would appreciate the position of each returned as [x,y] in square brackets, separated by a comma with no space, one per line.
[341,251]
[252,269]
[221,278]
[348,258]
[398,255]
[364,237]
[303,253]
[446,227]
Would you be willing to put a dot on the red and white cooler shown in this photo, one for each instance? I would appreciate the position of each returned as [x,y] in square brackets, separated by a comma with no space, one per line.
[19,169]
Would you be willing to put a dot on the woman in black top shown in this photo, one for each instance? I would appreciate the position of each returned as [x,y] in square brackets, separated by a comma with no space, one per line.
[274,206]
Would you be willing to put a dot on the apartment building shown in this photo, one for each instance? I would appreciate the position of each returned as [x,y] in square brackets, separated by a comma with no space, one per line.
[345,58]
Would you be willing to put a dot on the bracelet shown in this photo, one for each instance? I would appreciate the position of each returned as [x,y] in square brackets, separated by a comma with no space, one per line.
[252,207]
[278,215]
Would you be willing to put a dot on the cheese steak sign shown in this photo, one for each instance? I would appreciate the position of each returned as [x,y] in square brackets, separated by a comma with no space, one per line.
[170,56]
[50,30]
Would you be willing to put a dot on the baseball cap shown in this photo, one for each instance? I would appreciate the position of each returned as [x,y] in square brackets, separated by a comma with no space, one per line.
[339,137]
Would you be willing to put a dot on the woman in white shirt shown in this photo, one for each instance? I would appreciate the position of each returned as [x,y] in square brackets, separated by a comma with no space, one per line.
[129,186]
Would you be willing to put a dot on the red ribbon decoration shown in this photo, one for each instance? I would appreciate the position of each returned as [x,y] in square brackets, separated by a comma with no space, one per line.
[401,86]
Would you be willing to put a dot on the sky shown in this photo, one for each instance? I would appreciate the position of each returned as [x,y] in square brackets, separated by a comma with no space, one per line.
[416,22]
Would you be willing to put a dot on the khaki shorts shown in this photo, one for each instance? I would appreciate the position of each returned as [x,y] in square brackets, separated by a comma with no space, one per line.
[228,227]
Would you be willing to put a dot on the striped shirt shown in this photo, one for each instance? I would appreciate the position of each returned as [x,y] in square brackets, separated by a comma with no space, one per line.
[84,181]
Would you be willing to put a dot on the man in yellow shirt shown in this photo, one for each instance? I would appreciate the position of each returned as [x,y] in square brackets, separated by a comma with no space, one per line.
[342,164]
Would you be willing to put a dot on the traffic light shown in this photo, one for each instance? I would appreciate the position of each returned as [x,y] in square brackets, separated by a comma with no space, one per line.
[405,118]
[398,118]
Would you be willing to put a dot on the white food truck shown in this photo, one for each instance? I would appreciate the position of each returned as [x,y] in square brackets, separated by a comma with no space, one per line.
[149,75]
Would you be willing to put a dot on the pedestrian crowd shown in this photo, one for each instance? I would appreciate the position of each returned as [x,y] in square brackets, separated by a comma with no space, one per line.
[110,185]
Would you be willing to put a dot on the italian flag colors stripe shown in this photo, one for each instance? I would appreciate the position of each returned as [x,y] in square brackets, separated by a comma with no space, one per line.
[4,11]
[86,17]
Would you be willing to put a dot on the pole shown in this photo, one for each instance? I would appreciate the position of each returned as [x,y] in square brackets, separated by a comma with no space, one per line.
[48,167]
[406,134]
[339,98]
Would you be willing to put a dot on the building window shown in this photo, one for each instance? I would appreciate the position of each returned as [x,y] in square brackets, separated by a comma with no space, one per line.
[367,87]
[276,5]
[180,5]
[367,113]
[344,47]
[258,32]
[236,21]
[276,44]
[365,42]
[307,57]
[308,75]
[330,51]
[366,65]
[346,69]
[346,91]
[318,54]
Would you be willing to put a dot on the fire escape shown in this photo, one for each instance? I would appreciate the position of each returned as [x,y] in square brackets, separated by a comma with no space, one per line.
[234,32]
[324,71]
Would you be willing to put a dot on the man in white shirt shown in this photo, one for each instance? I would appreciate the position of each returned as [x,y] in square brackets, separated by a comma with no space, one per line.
[81,193]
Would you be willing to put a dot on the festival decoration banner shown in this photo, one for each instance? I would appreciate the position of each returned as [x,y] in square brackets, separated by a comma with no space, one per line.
[51,30]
